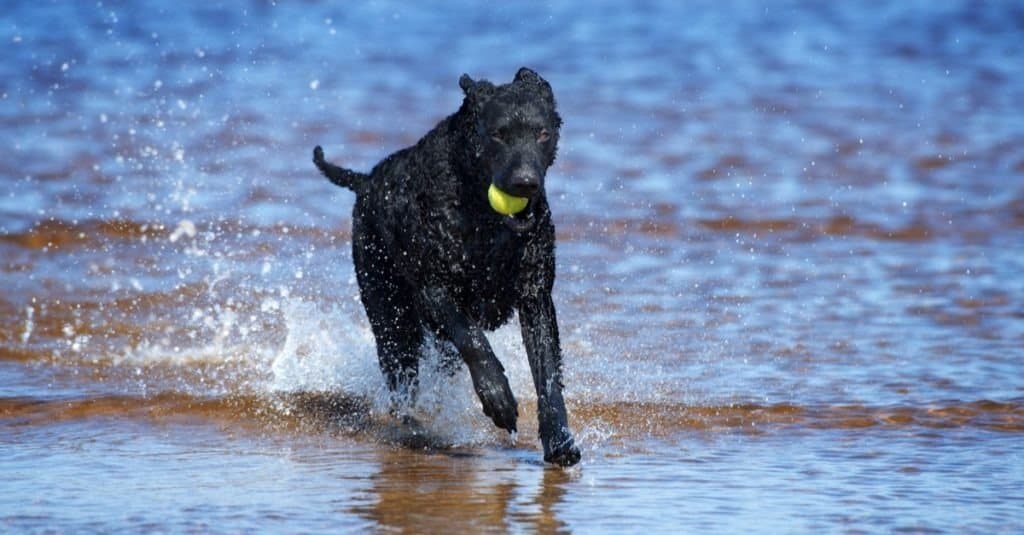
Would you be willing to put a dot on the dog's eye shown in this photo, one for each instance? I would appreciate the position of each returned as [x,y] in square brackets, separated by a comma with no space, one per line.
[544,136]
[496,136]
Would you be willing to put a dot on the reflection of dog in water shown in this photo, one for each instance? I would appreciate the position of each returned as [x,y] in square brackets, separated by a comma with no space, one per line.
[453,234]
[352,414]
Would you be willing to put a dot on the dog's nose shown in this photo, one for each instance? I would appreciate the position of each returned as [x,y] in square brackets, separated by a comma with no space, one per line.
[523,183]
[522,190]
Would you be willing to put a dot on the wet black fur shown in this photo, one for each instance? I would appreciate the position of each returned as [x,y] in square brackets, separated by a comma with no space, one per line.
[431,256]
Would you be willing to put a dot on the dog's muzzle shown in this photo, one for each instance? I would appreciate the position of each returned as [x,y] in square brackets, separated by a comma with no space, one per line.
[522,221]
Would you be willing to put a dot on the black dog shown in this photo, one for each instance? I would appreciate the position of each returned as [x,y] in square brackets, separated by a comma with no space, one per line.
[431,255]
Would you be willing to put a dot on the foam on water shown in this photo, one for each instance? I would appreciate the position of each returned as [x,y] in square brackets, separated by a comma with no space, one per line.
[323,351]
[309,347]
[331,352]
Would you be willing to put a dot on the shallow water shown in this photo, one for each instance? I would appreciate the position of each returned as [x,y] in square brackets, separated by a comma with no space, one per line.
[789,268]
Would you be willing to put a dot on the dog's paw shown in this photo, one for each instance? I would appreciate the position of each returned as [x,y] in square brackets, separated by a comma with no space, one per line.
[565,454]
[318,156]
[498,402]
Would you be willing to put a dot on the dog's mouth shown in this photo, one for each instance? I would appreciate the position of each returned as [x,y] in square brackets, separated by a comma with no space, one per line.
[523,220]
[514,207]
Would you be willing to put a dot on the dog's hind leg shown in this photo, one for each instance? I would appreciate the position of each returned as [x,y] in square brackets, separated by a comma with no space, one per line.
[393,318]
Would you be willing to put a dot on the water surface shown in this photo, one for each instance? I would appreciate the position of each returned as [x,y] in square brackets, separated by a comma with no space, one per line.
[789,268]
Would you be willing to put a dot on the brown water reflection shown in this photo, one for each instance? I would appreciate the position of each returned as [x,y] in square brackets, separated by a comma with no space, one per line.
[445,492]
[334,413]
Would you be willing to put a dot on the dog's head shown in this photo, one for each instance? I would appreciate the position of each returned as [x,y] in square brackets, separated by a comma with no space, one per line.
[517,129]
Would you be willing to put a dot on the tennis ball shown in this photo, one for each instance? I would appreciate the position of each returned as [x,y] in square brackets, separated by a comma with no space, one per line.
[503,203]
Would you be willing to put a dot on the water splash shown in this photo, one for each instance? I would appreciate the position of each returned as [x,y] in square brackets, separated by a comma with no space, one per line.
[29,324]
[331,352]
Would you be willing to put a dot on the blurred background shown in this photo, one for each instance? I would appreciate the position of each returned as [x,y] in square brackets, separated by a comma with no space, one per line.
[783,227]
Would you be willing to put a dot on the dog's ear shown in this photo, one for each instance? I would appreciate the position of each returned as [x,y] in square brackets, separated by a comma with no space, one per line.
[477,91]
[473,87]
[529,76]
[466,83]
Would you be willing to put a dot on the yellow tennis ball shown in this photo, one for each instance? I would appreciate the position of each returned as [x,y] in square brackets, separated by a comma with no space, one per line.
[503,203]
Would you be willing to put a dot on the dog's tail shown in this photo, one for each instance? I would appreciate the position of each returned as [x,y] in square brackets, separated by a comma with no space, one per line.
[338,175]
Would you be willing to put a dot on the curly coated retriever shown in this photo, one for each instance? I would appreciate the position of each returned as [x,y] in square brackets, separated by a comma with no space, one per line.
[433,254]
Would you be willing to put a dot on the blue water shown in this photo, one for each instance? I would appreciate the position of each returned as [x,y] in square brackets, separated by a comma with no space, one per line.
[789,267]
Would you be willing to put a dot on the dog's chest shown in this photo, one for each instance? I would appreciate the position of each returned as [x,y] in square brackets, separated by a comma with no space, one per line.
[491,265]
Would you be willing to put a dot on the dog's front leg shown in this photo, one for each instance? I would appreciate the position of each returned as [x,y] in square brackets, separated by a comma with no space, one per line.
[488,374]
[540,336]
